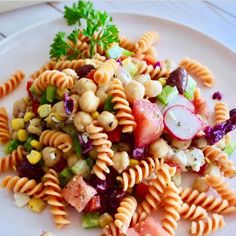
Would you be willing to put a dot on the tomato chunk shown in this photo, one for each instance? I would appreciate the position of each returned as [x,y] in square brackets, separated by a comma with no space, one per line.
[149,122]
[141,190]
[114,136]
[94,204]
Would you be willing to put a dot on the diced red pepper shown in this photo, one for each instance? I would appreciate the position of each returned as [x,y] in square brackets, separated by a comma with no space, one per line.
[90,75]
[35,106]
[114,136]
[174,164]
[28,85]
[151,60]
[141,190]
[94,204]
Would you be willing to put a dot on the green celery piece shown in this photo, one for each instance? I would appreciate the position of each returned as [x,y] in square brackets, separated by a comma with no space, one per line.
[11,146]
[90,220]
[77,145]
[229,149]
[127,53]
[108,106]
[27,144]
[43,99]
[65,176]
[51,93]
[191,85]
[90,162]
[81,168]
[167,94]
[70,129]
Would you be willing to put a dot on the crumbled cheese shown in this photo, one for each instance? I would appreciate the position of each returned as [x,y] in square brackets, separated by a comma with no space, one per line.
[52,155]
[195,158]
[213,169]
[123,76]
[177,179]
[21,199]
[179,157]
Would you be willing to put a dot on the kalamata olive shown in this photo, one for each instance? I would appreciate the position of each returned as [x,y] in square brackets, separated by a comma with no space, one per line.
[84,70]
[101,186]
[178,78]
[114,200]
[25,169]
[232,112]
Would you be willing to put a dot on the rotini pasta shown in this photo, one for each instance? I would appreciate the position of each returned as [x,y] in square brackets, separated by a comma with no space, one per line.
[127,44]
[200,103]
[104,74]
[139,172]
[147,40]
[7,163]
[52,77]
[111,230]
[124,113]
[4,128]
[103,147]
[56,139]
[11,83]
[48,66]
[124,213]
[221,112]
[208,225]
[192,212]
[222,189]
[55,199]
[196,69]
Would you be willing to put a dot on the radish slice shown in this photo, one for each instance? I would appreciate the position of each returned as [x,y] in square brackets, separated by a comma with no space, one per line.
[181,122]
[179,100]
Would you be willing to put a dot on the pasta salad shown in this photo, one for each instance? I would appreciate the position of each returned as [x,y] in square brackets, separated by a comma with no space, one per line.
[109,129]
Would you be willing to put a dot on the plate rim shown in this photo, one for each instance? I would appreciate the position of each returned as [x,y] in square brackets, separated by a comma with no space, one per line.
[126,13]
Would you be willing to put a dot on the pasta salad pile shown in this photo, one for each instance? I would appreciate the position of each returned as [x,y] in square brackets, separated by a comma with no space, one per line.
[110,129]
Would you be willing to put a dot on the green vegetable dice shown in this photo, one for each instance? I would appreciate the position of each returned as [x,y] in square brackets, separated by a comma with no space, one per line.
[11,146]
[81,167]
[229,149]
[191,85]
[90,220]
[50,93]
[108,106]
[167,94]
[115,51]
[43,99]
[77,145]
[65,176]
[27,144]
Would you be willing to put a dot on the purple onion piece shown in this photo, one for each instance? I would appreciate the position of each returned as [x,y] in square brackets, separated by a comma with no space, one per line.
[232,112]
[68,104]
[157,64]
[86,143]
[119,61]
[139,153]
[217,96]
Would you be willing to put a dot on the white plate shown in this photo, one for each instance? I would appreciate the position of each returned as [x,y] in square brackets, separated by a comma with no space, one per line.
[28,50]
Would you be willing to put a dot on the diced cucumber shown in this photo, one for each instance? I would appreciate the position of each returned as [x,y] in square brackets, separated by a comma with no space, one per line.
[43,99]
[11,146]
[229,149]
[65,176]
[115,51]
[108,105]
[81,167]
[50,93]
[129,66]
[167,94]
[90,220]
[191,85]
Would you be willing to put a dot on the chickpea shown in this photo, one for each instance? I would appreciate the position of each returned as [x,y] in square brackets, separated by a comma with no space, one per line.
[70,73]
[180,144]
[101,95]
[200,142]
[19,108]
[152,88]
[83,85]
[35,126]
[51,156]
[120,161]
[134,91]
[89,102]
[108,121]
[81,120]
[200,184]
[142,78]
[75,98]
[159,148]
[177,179]
[59,109]
[72,160]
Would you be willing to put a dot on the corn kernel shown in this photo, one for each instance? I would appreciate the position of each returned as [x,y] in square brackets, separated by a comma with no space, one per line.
[60,92]
[28,116]
[162,80]
[95,115]
[36,144]
[17,123]
[133,162]
[22,135]
[37,205]
[34,157]
[44,110]
[105,219]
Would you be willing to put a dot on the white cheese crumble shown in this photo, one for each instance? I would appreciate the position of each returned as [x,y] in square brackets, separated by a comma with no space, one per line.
[123,76]
[21,199]
[179,157]
[195,158]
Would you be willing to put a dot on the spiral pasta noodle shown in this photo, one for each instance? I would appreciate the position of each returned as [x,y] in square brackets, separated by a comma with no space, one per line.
[147,40]
[136,174]
[192,212]
[221,112]
[52,77]
[103,147]
[48,66]
[4,128]
[56,139]
[222,189]
[196,69]
[11,83]
[111,230]
[104,74]
[171,205]
[208,202]
[124,113]
[23,185]
[7,163]
[213,154]
[127,44]
[124,213]
[208,225]
[73,64]
[200,103]
[55,198]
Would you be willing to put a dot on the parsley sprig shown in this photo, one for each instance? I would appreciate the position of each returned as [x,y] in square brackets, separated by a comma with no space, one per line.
[98,28]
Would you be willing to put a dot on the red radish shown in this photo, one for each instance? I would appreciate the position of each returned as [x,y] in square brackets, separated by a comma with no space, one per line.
[114,136]
[179,100]
[181,122]
[94,204]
